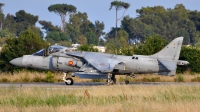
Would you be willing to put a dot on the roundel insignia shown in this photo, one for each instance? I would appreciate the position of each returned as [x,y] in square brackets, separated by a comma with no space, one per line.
[70,63]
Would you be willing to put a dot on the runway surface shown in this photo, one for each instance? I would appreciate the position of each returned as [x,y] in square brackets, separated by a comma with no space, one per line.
[92,84]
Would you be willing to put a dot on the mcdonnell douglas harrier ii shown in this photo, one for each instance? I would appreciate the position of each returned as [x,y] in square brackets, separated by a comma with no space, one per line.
[94,65]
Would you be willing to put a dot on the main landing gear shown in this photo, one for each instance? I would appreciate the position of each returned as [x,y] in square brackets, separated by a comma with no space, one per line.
[111,79]
[68,81]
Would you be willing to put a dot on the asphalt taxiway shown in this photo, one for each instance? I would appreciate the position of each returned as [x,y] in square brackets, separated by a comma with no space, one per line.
[89,84]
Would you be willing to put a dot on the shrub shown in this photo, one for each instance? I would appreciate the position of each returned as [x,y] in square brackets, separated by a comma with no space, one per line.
[179,78]
[50,77]
[197,79]
[26,78]
[37,79]
[191,54]
[96,80]
[121,79]
[4,80]
[153,79]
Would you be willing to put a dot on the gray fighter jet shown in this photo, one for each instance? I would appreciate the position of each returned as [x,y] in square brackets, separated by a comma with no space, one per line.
[94,65]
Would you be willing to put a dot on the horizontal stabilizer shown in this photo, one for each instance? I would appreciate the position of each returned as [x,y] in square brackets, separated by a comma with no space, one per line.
[170,65]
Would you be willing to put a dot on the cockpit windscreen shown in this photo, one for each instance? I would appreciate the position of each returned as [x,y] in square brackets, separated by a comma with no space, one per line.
[40,53]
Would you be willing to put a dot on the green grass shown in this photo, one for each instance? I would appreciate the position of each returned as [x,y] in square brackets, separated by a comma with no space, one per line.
[125,95]
[116,98]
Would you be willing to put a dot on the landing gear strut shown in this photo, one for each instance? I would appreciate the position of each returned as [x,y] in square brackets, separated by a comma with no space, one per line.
[68,81]
[111,79]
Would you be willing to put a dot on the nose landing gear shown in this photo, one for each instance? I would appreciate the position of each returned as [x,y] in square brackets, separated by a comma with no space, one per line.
[68,81]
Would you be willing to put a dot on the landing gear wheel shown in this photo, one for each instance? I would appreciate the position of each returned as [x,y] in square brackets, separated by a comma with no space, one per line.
[69,81]
[110,82]
[114,80]
[126,82]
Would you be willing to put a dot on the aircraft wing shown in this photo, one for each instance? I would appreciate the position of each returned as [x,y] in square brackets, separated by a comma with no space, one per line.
[102,62]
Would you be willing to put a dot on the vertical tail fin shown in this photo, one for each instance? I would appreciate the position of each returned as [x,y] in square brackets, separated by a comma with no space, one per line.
[171,51]
[169,55]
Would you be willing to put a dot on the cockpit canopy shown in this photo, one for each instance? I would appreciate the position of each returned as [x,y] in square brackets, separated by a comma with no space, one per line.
[52,49]
[55,48]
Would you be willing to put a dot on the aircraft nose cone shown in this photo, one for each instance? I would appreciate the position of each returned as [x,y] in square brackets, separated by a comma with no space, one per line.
[17,62]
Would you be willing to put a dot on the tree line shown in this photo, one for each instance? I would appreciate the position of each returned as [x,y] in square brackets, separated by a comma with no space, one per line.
[145,34]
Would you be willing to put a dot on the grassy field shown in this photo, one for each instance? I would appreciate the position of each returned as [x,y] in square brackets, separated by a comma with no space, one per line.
[116,98]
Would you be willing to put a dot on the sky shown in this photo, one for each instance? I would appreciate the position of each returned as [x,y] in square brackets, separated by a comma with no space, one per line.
[95,9]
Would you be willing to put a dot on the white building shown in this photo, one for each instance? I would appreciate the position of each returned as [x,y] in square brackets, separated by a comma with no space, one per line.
[75,45]
[100,48]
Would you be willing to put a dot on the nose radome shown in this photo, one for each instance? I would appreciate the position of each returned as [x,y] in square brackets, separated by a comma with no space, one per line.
[17,62]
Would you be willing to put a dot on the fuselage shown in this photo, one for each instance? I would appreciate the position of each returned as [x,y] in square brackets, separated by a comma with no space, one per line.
[135,64]
[142,64]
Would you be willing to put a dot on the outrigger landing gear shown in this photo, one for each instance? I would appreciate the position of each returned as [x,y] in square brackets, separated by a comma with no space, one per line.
[129,75]
[111,79]
[126,80]
[68,81]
